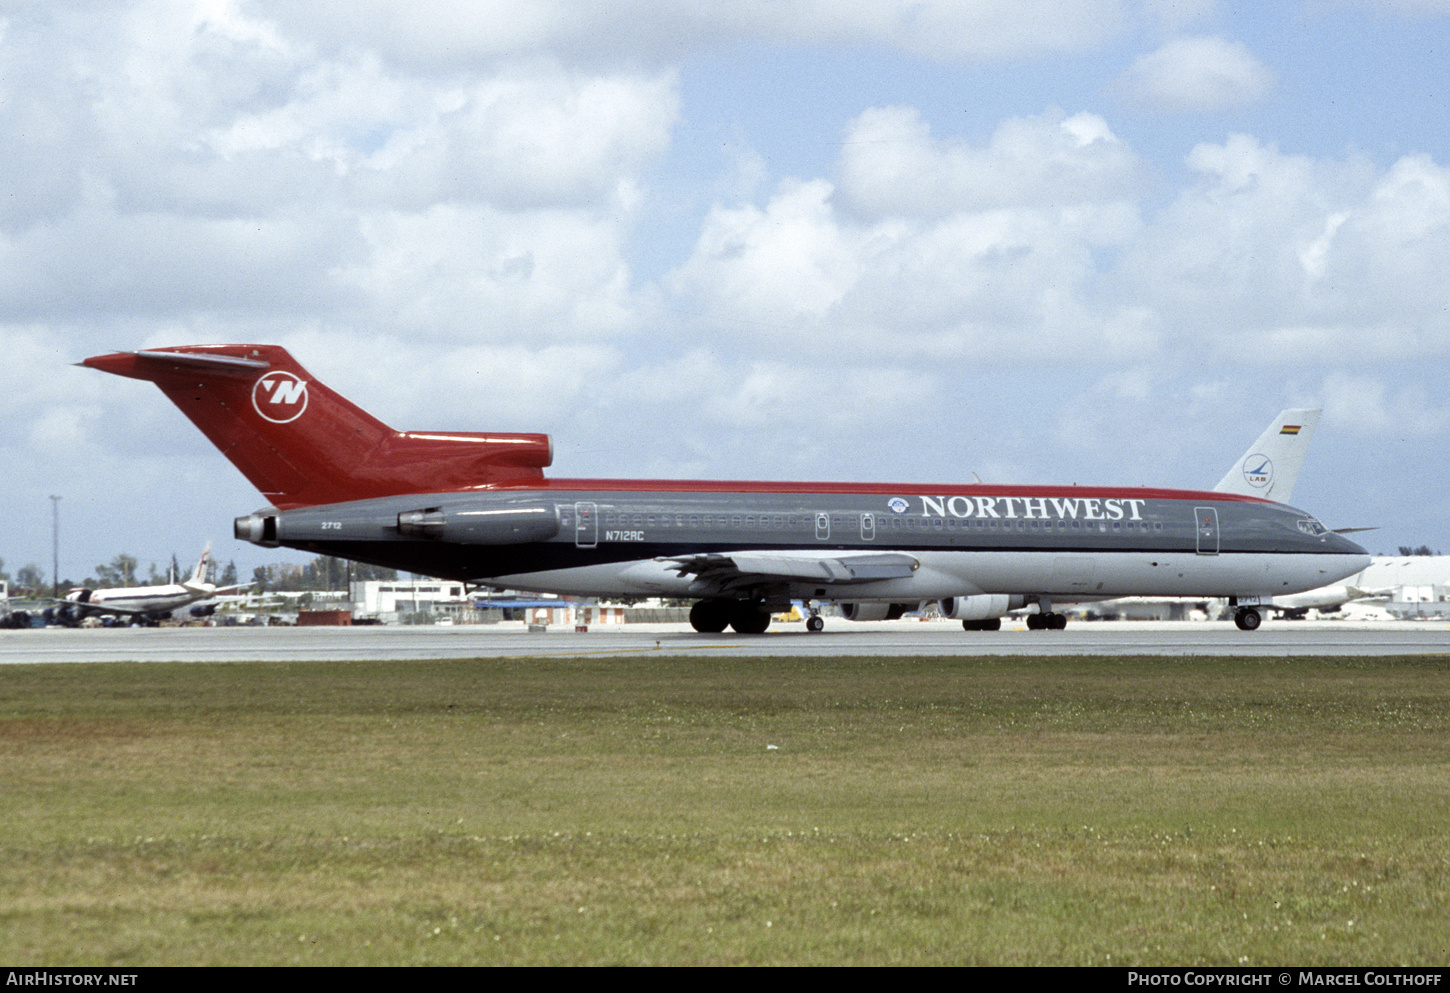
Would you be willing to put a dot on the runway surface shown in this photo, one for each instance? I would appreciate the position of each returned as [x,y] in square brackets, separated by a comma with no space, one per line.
[884,639]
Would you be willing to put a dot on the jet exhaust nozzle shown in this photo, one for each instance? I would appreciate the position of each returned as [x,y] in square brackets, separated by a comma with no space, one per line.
[259,529]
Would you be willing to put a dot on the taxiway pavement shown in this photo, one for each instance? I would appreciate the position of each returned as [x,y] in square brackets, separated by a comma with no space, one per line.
[841,638]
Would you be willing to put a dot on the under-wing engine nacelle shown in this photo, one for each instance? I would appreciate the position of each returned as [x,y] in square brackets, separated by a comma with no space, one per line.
[875,611]
[980,608]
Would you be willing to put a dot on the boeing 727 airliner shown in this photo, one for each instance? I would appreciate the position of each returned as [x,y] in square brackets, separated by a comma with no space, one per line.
[478,508]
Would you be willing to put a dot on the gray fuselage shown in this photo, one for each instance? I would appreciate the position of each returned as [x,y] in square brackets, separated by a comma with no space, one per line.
[603,538]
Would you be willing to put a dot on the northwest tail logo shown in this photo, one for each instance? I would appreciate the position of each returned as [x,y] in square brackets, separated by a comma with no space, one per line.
[280,397]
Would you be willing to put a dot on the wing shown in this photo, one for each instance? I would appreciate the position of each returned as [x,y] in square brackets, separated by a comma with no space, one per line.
[232,590]
[89,609]
[725,573]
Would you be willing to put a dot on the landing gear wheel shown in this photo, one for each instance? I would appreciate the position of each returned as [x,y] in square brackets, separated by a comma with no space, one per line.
[815,625]
[748,618]
[990,624]
[1057,622]
[710,616]
[1248,619]
[1036,622]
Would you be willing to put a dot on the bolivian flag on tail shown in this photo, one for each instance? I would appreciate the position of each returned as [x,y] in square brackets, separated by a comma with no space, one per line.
[1289,429]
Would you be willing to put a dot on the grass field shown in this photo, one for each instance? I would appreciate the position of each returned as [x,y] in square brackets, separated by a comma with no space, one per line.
[669,810]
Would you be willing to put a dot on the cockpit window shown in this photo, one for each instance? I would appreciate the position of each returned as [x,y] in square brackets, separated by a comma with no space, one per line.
[1310,526]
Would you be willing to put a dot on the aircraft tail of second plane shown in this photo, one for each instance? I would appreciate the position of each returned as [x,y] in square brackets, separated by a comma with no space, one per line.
[1271,467]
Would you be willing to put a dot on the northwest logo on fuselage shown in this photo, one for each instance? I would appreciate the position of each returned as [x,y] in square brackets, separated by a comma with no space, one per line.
[280,397]
[1033,508]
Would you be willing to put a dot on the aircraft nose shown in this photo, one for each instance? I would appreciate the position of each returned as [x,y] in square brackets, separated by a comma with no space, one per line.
[1347,547]
[1352,548]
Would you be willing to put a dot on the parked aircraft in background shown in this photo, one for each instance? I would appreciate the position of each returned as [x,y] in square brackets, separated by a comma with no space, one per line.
[139,604]
[478,508]
[1403,578]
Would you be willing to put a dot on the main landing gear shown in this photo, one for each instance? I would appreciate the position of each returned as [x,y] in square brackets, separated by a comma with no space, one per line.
[1248,619]
[745,616]
[1046,622]
[990,624]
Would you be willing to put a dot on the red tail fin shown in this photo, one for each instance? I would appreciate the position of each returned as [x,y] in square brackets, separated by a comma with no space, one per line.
[302,444]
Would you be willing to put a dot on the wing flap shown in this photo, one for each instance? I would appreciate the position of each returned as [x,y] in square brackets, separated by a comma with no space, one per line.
[724,568]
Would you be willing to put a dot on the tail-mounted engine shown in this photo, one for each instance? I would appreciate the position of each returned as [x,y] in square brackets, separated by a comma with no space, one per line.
[513,524]
[465,521]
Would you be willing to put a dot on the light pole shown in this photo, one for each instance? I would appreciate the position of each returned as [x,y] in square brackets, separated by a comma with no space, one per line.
[55,545]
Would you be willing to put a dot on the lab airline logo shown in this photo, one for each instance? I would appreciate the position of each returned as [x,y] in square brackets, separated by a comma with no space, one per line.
[1258,471]
[280,397]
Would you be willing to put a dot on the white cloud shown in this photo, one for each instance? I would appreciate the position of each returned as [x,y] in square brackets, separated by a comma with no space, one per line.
[1197,74]
[461,31]
[788,263]
[197,161]
[891,164]
[1367,405]
[929,247]
[1285,258]
[471,273]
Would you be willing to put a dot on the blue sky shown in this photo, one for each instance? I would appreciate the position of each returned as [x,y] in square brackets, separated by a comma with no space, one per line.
[1097,241]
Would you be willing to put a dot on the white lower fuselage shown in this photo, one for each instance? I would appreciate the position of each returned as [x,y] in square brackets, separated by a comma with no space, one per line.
[1066,577]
